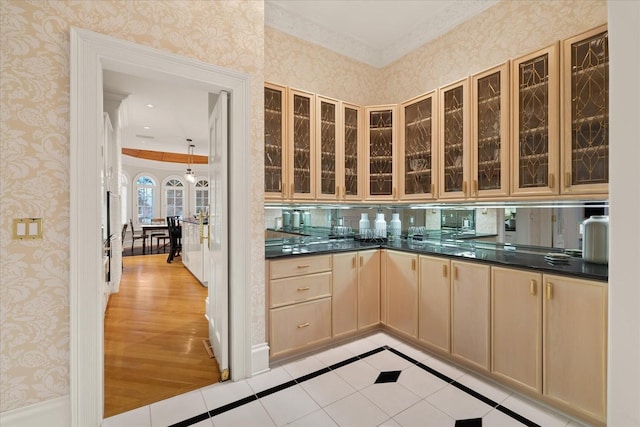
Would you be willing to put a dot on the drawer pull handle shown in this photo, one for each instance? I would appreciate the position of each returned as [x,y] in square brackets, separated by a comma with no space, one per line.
[353,262]
[551,181]
[549,291]
[304,266]
[303,325]
[361,261]
[413,264]
[455,273]
[444,270]
[306,288]
[533,288]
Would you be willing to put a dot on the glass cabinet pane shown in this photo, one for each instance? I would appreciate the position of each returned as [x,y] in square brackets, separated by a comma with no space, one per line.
[381,153]
[301,144]
[453,142]
[351,138]
[418,137]
[533,116]
[327,148]
[273,140]
[488,120]
[590,110]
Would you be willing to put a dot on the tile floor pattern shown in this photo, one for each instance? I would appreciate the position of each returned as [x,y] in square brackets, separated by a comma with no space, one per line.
[374,381]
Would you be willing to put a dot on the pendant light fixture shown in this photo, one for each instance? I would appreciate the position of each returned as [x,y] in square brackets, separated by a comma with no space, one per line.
[189,175]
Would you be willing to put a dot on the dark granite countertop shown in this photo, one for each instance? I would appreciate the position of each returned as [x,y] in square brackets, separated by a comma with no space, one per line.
[466,251]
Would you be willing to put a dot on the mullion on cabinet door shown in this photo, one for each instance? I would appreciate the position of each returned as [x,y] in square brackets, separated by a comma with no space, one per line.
[275,147]
[351,150]
[418,158]
[328,147]
[301,132]
[490,132]
[585,118]
[535,131]
[454,140]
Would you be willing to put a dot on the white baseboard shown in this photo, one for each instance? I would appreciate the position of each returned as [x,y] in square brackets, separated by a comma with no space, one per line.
[50,413]
[259,358]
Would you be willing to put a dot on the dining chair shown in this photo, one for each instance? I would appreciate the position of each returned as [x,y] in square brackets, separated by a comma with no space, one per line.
[136,236]
[175,237]
[158,234]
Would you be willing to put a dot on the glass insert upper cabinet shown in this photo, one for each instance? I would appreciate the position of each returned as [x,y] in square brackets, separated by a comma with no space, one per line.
[585,118]
[535,126]
[351,150]
[380,153]
[454,107]
[327,138]
[302,156]
[275,150]
[418,148]
[490,132]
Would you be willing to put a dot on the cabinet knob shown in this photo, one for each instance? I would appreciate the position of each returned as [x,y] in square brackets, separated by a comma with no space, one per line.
[549,291]
[533,288]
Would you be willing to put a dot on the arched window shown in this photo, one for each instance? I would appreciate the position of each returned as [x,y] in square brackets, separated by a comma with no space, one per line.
[202,196]
[174,197]
[145,190]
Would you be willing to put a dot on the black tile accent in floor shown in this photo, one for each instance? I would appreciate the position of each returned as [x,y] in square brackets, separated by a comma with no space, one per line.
[387,376]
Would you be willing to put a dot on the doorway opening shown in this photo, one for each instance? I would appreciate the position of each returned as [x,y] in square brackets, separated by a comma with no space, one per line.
[91,54]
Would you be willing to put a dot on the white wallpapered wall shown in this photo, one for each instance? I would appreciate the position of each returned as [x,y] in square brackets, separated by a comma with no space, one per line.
[34,178]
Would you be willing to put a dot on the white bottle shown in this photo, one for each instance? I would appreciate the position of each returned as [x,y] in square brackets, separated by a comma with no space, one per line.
[306,218]
[380,225]
[296,219]
[364,223]
[395,226]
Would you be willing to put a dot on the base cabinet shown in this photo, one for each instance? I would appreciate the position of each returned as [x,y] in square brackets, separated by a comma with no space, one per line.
[300,325]
[368,288]
[345,293]
[516,327]
[402,292]
[470,313]
[575,344]
[434,316]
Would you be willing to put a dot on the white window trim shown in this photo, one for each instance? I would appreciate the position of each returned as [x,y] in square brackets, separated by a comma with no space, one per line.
[185,195]
[157,194]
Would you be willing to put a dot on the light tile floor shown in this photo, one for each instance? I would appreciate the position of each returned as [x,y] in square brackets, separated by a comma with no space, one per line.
[337,388]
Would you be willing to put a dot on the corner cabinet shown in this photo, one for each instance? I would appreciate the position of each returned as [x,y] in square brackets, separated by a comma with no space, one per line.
[380,153]
[585,116]
[301,163]
[454,108]
[418,148]
[275,147]
[535,127]
[402,292]
[490,132]
[575,344]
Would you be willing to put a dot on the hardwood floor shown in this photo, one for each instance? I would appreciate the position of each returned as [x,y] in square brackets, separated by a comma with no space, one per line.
[153,333]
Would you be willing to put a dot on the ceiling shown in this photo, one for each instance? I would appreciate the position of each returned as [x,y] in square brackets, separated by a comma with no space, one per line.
[376,32]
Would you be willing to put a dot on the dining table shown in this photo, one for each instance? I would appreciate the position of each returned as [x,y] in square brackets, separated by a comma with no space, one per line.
[148,229]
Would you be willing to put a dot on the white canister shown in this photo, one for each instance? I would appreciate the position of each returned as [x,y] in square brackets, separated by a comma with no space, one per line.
[286,219]
[595,241]
[380,225]
[296,219]
[395,225]
[364,223]
[306,219]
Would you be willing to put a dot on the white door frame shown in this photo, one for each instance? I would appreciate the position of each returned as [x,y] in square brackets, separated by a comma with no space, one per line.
[91,53]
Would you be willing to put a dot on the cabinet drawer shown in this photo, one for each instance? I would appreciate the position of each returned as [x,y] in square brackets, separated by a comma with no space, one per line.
[298,325]
[297,289]
[299,265]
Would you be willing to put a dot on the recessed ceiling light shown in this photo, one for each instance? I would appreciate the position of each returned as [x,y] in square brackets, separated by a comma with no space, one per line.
[146,127]
[150,105]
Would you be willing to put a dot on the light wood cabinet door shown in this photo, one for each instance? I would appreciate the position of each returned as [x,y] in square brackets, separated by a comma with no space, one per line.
[402,292]
[575,343]
[296,289]
[328,144]
[585,115]
[516,326]
[454,127]
[301,163]
[535,123]
[352,153]
[296,326]
[345,293]
[381,148]
[368,288]
[418,148]
[490,132]
[275,142]
[470,305]
[435,302]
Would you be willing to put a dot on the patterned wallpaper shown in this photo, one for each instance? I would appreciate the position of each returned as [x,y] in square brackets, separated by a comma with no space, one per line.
[506,30]
[34,179]
[293,62]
